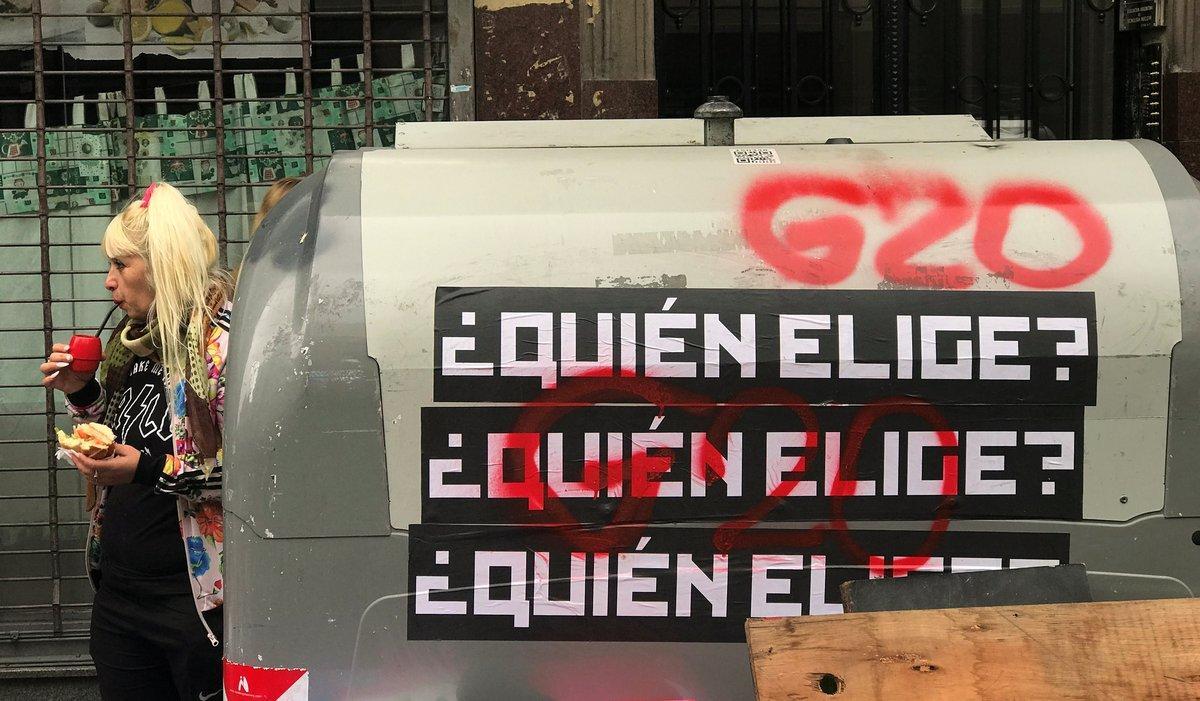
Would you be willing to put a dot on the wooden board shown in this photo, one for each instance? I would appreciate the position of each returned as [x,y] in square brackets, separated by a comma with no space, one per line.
[1110,650]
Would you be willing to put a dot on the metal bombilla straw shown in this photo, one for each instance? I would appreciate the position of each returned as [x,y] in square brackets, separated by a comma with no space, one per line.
[106,318]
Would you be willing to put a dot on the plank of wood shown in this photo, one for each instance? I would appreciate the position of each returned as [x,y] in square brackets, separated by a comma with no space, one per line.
[1110,650]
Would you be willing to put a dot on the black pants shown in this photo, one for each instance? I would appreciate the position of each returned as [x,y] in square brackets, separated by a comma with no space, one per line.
[154,648]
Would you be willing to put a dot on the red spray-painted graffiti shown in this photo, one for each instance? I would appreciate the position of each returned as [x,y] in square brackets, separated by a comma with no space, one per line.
[635,508]
[998,206]
[841,236]
[826,250]
[844,486]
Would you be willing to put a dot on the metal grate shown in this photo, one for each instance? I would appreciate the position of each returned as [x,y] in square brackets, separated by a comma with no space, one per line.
[323,75]
[1023,68]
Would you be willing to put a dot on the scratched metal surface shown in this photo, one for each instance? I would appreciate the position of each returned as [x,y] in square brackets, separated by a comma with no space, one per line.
[1183,427]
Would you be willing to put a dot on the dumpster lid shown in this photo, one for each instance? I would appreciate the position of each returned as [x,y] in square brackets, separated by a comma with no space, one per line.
[685,132]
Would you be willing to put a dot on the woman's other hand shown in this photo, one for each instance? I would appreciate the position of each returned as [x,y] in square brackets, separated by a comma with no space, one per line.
[118,469]
[57,373]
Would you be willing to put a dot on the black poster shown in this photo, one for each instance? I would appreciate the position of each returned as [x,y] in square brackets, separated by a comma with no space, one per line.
[515,465]
[508,344]
[672,584]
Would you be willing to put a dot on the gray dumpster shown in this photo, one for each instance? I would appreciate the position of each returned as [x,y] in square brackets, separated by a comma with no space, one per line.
[546,411]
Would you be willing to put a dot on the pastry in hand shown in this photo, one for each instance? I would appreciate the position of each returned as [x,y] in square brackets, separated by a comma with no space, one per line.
[94,440]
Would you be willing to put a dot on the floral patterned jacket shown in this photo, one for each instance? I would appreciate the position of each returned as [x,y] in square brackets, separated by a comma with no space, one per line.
[193,472]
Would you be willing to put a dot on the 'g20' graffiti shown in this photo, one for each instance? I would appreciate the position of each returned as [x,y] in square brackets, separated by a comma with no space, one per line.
[825,250]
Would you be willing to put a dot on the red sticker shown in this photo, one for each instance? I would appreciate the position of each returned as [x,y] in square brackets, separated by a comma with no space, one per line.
[247,683]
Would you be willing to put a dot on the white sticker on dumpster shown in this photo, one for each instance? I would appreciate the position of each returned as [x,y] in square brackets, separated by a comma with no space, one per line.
[755,156]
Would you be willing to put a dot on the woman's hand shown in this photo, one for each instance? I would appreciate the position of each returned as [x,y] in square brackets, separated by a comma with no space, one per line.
[118,469]
[58,374]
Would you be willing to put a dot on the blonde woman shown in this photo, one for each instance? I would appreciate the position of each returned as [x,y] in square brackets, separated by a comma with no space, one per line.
[155,543]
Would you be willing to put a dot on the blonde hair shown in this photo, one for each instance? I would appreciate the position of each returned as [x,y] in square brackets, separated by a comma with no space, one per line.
[278,189]
[182,264]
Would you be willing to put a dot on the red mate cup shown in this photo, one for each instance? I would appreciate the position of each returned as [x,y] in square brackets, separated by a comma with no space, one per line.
[86,353]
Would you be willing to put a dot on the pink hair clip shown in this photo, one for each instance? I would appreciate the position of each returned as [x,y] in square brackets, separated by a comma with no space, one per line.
[146,197]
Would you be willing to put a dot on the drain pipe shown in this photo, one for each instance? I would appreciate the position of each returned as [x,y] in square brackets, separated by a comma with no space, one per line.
[718,115]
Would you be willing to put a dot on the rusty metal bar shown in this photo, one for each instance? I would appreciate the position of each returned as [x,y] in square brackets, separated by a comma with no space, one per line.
[6,497]
[149,129]
[218,96]
[18,273]
[28,607]
[131,123]
[427,36]
[200,72]
[320,13]
[306,71]
[41,579]
[39,95]
[368,89]
[86,216]
[145,101]
[264,42]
